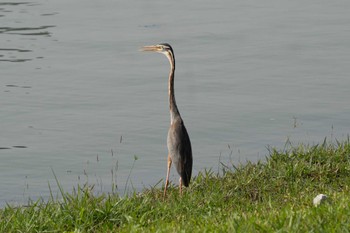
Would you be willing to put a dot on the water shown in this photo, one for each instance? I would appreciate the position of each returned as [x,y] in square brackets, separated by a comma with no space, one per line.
[79,99]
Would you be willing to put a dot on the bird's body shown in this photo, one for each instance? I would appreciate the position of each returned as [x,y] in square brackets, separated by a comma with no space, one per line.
[180,154]
[178,141]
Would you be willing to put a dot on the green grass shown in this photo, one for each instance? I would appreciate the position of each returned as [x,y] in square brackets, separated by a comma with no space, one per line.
[271,196]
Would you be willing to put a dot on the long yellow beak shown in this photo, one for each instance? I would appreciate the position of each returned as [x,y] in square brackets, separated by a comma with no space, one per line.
[150,48]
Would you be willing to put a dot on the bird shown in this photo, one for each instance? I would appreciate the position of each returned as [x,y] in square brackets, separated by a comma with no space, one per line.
[178,141]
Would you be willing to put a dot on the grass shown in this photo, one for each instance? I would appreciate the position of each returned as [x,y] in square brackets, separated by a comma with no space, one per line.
[271,196]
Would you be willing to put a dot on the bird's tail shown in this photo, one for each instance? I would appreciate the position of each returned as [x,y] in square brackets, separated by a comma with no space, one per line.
[186,177]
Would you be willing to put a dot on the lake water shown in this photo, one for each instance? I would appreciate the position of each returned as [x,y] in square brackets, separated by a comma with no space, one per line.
[79,99]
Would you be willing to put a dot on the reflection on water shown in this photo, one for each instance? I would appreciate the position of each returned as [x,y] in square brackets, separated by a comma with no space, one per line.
[12,34]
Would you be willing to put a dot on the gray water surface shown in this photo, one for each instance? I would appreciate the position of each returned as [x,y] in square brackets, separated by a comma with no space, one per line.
[79,99]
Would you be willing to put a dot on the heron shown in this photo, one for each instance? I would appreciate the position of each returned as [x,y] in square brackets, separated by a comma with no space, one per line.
[178,141]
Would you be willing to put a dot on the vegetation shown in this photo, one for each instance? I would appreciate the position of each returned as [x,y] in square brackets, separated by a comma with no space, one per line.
[271,196]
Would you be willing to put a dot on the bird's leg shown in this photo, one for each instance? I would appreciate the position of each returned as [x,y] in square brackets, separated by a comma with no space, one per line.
[167,175]
[180,186]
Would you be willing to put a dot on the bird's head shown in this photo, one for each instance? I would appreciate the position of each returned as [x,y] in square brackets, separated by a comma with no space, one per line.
[159,48]
[163,48]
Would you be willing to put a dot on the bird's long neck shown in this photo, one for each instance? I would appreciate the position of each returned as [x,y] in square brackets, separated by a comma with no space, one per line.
[174,112]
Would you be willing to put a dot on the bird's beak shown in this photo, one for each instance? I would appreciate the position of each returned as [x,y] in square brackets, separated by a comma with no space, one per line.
[150,48]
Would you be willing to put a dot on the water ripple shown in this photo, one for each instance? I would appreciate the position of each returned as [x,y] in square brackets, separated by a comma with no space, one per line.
[11,29]
[14,3]
[12,51]
[16,60]
[17,50]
